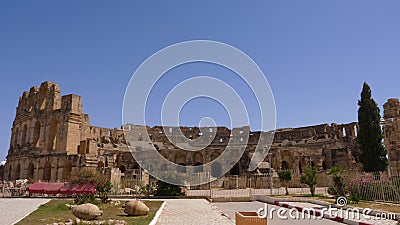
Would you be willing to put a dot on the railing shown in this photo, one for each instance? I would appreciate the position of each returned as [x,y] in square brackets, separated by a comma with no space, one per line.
[248,192]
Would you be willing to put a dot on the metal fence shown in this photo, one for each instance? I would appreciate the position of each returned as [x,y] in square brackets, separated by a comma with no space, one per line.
[374,186]
[248,192]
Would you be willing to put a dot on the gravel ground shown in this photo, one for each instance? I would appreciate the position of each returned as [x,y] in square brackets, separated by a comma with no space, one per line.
[191,212]
[13,210]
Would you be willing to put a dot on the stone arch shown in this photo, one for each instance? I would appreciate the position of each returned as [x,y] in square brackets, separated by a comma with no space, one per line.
[17,172]
[312,164]
[36,134]
[284,165]
[100,165]
[286,160]
[300,168]
[52,135]
[122,168]
[180,158]
[47,171]
[235,169]
[24,134]
[216,169]
[67,169]
[164,154]
[31,171]
[214,155]
[197,158]
[16,137]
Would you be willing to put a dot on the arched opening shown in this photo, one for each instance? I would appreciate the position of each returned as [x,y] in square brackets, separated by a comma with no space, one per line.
[24,133]
[100,165]
[312,164]
[214,155]
[31,171]
[47,171]
[235,170]
[300,168]
[52,135]
[36,134]
[16,138]
[181,168]
[216,169]
[324,167]
[284,165]
[122,168]
[17,172]
[67,169]
[180,158]
[198,158]
[198,167]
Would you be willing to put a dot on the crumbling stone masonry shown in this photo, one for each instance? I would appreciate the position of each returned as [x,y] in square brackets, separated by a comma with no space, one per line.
[51,136]
[391,132]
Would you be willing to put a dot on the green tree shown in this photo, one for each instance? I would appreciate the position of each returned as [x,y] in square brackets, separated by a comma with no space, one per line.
[285,176]
[310,178]
[373,153]
[338,183]
[166,189]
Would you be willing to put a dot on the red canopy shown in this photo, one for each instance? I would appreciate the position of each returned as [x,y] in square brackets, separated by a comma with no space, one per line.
[61,188]
[38,187]
[53,188]
[85,189]
[67,189]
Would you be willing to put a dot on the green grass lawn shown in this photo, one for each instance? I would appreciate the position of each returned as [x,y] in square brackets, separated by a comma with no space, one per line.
[56,211]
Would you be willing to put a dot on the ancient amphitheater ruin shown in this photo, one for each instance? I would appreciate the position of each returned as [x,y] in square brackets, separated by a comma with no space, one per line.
[51,136]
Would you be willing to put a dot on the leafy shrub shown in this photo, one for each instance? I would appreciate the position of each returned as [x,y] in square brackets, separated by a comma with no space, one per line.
[166,189]
[85,198]
[332,191]
[103,189]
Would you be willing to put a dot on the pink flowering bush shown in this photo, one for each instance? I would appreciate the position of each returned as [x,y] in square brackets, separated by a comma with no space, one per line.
[369,187]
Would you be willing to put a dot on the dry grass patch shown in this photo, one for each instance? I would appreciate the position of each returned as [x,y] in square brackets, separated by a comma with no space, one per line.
[56,211]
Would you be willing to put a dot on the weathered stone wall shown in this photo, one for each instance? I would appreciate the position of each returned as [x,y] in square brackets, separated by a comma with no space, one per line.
[45,135]
[392,133]
[52,137]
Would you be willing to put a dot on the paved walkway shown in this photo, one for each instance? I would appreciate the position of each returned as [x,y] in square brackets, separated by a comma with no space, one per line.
[348,214]
[230,208]
[14,209]
[191,212]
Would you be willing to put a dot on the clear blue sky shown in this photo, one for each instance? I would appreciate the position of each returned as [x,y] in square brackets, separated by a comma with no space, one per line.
[316,54]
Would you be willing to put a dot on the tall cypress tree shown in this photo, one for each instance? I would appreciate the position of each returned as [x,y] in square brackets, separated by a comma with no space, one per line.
[373,153]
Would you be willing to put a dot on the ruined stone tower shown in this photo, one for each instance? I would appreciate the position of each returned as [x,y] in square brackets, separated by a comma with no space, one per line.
[392,133]
[46,126]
